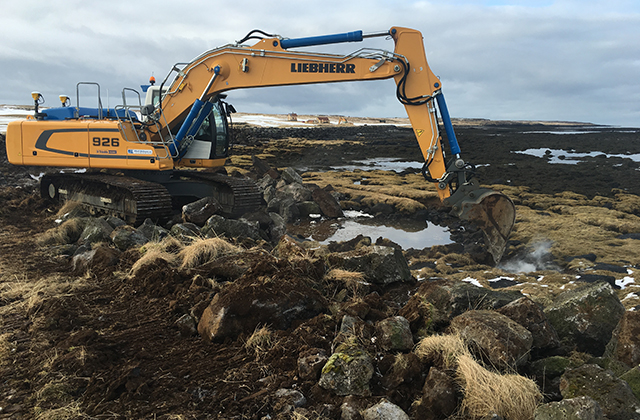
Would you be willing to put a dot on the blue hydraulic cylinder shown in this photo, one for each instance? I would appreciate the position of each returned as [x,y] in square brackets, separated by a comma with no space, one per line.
[448,127]
[182,132]
[355,36]
[206,109]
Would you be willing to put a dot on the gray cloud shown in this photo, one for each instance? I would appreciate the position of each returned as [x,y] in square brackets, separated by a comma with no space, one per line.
[553,60]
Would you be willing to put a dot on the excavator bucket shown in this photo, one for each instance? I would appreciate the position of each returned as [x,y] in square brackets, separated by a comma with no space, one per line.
[491,211]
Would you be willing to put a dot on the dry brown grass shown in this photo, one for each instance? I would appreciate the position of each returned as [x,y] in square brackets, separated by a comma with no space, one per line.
[70,411]
[168,244]
[485,393]
[261,340]
[68,232]
[202,251]
[406,194]
[353,280]
[5,348]
[150,257]
[443,349]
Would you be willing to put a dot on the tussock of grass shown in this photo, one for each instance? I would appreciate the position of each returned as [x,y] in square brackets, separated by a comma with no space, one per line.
[485,393]
[168,244]
[203,250]
[353,280]
[150,257]
[68,232]
[261,340]
[446,349]
[54,392]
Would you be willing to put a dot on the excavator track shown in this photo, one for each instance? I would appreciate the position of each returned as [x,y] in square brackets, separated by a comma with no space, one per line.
[135,200]
[131,199]
[236,195]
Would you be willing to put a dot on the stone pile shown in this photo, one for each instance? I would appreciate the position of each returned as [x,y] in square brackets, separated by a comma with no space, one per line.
[581,351]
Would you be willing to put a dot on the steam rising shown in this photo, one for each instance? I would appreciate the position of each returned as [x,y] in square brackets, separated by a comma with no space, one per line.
[535,257]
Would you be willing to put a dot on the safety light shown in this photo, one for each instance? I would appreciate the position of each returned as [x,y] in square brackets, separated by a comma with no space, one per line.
[65,100]
[37,96]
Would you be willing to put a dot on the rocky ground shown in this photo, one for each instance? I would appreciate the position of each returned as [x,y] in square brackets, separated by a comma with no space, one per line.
[230,319]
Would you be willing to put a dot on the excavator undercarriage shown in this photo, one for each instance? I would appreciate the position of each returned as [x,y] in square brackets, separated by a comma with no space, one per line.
[134,200]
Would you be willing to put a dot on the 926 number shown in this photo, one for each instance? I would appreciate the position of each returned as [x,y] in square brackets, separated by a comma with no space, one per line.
[106,142]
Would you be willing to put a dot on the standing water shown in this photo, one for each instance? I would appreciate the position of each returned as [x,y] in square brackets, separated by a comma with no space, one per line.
[406,233]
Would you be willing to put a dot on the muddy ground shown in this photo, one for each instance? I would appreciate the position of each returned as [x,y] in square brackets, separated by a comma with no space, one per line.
[103,344]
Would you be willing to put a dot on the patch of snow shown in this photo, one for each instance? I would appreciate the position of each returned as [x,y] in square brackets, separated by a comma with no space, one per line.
[629,296]
[352,214]
[473,281]
[623,283]
[501,278]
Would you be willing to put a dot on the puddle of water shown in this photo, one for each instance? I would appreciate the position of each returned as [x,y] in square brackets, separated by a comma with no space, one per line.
[381,163]
[570,157]
[408,233]
[563,132]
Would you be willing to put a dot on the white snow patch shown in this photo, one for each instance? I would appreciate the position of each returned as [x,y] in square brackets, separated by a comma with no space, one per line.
[473,281]
[352,214]
[623,283]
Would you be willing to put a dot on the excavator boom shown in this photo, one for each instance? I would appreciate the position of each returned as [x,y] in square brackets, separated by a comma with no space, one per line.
[270,62]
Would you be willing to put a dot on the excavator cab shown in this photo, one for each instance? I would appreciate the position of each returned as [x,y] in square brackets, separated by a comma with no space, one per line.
[211,141]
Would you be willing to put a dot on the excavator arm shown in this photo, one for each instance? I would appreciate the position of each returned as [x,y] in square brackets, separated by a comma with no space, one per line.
[270,62]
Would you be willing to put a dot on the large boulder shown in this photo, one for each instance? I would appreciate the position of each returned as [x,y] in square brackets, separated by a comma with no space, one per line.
[439,397]
[270,293]
[384,410]
[436,302]
[95,230]
[219,226]
[394,334]
[125,237]
[612,394]
[327,203]
[625,341]
[379,264]
[289,175]
[585,318]
[262,168]
[580,408]
[530,315]
[200,211]
[503,342]
[185,231]
[298,192]
[97,260]
[348,371]
[152,231]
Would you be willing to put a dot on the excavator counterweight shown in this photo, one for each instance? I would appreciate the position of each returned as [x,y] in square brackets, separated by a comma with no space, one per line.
[182,126]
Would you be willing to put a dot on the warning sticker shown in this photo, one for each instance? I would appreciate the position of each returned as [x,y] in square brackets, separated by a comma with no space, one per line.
[419,132]
[139,151]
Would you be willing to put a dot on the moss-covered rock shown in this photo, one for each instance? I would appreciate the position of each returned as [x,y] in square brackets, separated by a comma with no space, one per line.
[586,317]
[613,394]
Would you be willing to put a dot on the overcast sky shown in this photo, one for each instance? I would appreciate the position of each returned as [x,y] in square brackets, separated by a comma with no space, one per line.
[567,60]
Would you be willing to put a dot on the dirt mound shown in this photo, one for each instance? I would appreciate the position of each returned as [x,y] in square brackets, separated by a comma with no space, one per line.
[115,339]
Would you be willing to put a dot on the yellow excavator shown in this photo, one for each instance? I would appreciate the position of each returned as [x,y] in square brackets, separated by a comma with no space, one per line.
[157,146]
